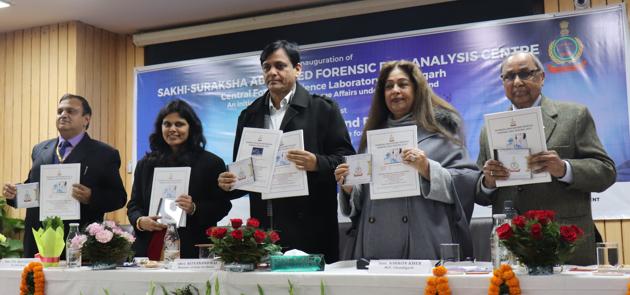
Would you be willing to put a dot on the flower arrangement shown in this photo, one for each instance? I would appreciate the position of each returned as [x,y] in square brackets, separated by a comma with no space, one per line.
[504,275]
[438,283]
[104,243]
[49,240]
[9,229]
[243,243]
[32,279]
[537,240]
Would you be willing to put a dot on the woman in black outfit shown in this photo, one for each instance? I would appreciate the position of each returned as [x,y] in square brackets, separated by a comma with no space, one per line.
[178,141]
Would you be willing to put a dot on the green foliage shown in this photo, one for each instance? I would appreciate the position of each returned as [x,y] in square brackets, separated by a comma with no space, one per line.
[260,290]
[291,289]
[536,239]
[10,228]
[216,286]
[322,289]
[52,222]
[243,243]
[117,250]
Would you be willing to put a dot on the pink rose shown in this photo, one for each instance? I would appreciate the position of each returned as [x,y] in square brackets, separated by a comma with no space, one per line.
[95,228]
[104,236]
[129,237]
[78,241]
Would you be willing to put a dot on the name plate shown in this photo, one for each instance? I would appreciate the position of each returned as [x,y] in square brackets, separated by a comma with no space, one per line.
[13,263]
[400,266]
[211,264]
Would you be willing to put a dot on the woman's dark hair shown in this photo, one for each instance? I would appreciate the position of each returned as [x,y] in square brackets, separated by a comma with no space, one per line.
[425,101]
[161,153]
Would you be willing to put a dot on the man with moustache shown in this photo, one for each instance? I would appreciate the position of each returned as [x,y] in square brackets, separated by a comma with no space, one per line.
[576,159]
[308,223]
[100,189]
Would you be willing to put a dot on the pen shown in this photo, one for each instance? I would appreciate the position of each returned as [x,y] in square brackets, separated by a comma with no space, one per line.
[85,171]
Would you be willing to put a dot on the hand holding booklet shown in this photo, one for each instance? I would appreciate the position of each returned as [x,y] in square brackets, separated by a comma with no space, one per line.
[244,170]
[512,137]
[168,184]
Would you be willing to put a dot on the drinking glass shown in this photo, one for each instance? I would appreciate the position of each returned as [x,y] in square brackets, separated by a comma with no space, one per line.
[449,252]
[607,256]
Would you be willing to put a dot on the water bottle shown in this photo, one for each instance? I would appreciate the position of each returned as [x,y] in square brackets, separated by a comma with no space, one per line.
[171,246]
[73,254]
[498,253]
[510,213]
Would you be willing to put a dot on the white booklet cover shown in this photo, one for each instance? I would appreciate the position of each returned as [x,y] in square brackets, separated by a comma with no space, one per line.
[169,183]
[244,170]
[261,145]
[519,129]
[391,178]
[27,195]
[359,169]
[56,199]
[288,180]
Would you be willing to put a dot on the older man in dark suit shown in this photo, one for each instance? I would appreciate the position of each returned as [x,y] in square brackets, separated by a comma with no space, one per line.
[100,189]
[575,158]
[307,223]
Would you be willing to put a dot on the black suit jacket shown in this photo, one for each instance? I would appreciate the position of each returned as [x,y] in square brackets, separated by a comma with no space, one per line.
[212,203]
[307,223]
[99,171]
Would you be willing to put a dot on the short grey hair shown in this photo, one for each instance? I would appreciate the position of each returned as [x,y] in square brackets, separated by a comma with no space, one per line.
[539,65]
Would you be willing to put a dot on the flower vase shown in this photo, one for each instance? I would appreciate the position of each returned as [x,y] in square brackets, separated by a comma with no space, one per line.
[238,267]
[100,265]
[540,270]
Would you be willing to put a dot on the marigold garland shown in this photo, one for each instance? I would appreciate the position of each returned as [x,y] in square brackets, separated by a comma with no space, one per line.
[438,283]
[628,292]
[32,279]
[504,274]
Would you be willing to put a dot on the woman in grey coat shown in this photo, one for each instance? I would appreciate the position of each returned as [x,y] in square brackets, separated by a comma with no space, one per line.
[415,226]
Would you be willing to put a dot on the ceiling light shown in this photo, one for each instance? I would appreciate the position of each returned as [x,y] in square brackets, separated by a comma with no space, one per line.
[4,4]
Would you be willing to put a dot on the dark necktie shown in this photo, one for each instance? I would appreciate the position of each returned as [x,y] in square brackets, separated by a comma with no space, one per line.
[62,149]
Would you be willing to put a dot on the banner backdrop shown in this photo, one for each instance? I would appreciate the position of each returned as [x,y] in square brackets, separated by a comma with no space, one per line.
[584,56]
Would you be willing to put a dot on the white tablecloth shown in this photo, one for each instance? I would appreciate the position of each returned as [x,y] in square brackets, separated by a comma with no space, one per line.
[338,279]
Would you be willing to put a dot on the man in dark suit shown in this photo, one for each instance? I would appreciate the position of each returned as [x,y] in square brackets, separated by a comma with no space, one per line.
[575,158]
[308,223]
[101,189]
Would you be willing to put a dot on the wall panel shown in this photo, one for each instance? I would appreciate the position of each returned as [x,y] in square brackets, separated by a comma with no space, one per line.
[38,65]
[611,230]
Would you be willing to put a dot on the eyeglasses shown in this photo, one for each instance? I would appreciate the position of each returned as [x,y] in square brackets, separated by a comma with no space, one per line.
[523,75]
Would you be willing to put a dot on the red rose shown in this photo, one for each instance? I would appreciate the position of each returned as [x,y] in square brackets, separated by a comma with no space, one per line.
[218,232]
[237,234]
[236,222]
[542,216]
[253,222]
[578,231]
[536,231]
[519,221]
[274,236]
[209,231]
[259,236]
[568,234]
[504,231]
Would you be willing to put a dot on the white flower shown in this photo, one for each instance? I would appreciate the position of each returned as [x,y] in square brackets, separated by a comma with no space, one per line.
[2,238]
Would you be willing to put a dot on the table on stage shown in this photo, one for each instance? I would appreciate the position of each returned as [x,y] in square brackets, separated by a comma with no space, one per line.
[339,278]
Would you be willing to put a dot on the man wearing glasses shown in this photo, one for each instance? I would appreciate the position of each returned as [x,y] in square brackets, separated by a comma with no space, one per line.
[575,158]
